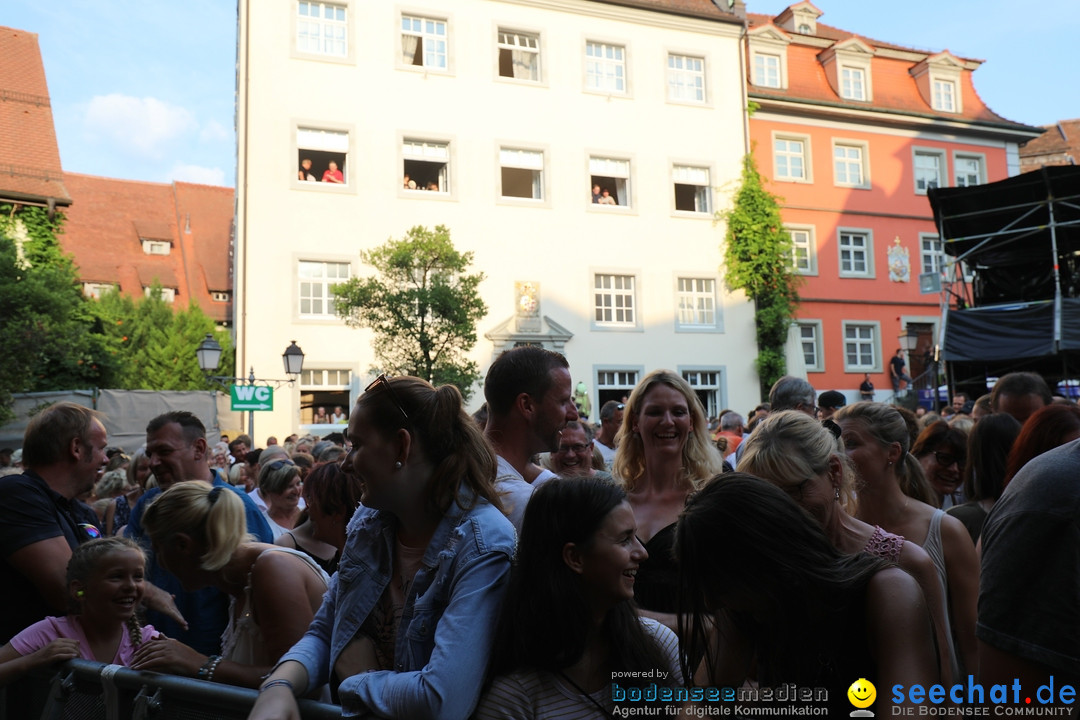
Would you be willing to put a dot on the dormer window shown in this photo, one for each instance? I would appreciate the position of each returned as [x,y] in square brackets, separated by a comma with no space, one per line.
[768,57]
[804,29]
[156,247]
[801,17]
[944,95]
[852,83]
[938,80]
[847,67]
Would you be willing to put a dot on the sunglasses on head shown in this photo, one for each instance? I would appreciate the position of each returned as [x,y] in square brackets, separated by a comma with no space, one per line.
[278,464]
[383,381]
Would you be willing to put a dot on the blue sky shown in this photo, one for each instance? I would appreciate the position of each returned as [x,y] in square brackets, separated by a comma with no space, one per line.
[144,90]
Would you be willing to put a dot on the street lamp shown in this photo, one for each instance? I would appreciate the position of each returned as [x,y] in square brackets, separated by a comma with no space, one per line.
[209,355]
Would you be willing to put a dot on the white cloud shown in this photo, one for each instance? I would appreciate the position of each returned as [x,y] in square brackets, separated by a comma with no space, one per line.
[213,131]
[197,174]
[142,124]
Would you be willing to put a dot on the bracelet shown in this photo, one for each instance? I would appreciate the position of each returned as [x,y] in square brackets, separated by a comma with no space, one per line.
[277,683]
[206,672]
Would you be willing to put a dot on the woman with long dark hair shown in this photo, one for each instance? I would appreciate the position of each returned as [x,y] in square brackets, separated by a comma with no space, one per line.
[569,625]
[407,624]
[989,444]
[788,606]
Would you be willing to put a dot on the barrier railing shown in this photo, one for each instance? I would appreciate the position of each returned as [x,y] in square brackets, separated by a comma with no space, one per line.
[86,690]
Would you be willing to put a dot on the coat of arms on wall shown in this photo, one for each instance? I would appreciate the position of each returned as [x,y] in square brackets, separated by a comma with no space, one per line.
[527,307]
[899,262]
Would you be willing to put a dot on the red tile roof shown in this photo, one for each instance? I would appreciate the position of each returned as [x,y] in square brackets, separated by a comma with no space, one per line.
[1059,145]
[893,86]
[714,9]
[108,218]
[29,156]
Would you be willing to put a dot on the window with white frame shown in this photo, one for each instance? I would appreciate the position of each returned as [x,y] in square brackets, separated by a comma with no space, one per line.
[317,280]
[969,170]
[612,175]
[605,67]
[789,156]
[860,347]
[614,300]
[426,165]
[692,189]
[219,296]
[423,42]
[849,164]
[810,342]
[156,247]
[766,70]
[803,252]
[706,385]
[519,55]
[322,156]
[615,384]
[167,294]
[96,290]
[932,255]
[944,95]
[929,170]
[856,258]
[852,83]
[339,378]
[321,29]
[522,173]
[686,78]
[696,299]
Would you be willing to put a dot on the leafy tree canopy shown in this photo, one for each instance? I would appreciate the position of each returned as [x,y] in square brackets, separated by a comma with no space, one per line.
[423,306]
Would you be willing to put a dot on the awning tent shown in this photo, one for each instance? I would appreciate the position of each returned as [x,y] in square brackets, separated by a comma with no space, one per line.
[1019,239]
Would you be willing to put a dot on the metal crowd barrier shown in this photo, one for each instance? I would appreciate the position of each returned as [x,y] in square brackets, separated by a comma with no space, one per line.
[86,690]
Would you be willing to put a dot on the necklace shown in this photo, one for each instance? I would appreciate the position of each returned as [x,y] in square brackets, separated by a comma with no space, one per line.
[603,711]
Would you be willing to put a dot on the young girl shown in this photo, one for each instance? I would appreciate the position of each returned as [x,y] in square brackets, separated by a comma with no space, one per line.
[105,582]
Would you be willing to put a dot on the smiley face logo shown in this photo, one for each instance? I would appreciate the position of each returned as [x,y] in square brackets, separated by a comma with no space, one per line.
[862,693]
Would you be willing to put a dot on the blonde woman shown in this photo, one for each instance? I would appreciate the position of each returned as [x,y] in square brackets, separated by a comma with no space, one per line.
[198,535]
[664,454]
[804,459]
[877,441]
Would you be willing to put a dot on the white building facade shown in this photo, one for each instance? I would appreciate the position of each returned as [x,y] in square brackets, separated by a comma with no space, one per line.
[504,114]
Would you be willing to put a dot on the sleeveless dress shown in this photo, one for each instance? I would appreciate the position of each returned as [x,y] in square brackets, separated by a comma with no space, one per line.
[242,641]
[936,551]
[657,580]
[330,566]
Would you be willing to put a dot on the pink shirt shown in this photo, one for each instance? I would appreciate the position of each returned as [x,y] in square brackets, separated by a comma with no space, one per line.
[332,176]
[45,631]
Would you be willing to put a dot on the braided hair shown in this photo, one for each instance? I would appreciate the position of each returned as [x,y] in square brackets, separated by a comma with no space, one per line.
[84,560]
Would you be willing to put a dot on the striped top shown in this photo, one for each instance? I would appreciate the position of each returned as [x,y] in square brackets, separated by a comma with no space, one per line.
[535,694]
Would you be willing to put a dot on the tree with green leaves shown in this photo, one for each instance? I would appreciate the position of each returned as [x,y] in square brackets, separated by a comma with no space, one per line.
[423,307]
[758,261]
[155,344]
[53,336]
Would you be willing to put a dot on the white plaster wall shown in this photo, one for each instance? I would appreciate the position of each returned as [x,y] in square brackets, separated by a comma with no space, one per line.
[559,242]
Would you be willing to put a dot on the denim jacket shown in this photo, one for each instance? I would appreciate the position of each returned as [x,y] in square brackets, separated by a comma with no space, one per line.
[447,627]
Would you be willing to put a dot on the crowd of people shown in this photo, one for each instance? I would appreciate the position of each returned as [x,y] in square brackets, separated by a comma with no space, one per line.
[524,563]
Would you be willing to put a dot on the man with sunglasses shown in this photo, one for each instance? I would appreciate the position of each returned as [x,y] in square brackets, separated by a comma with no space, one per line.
[177,450]
[63,453]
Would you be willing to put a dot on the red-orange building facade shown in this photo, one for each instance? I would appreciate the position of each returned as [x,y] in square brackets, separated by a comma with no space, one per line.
[851,132]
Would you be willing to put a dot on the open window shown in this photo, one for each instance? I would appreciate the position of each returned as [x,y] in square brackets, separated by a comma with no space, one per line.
[322,156]
[426,166]
[519,55]
[522,173]
[612,176]
[692,189]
